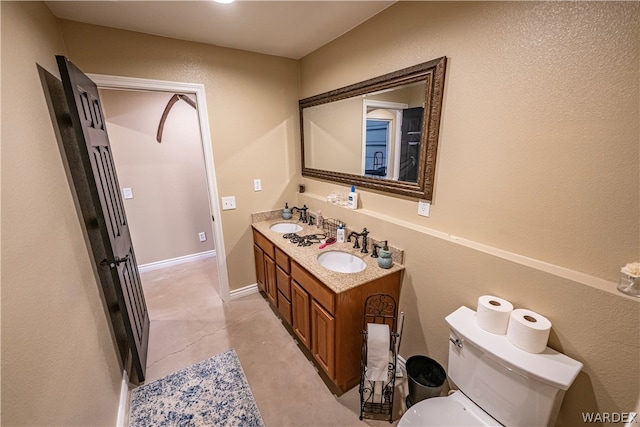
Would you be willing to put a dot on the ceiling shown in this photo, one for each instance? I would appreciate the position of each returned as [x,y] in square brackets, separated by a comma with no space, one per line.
[291,29]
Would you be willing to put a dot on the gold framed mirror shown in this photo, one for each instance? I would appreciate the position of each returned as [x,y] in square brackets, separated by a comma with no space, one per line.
[381,133]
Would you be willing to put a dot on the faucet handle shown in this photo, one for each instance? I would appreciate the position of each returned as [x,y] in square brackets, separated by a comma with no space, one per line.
[378,245]
[374,253]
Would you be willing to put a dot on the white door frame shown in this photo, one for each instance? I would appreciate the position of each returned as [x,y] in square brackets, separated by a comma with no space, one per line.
[132,83]
[397,108]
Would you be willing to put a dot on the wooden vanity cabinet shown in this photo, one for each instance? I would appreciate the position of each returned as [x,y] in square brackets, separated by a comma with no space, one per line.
[335,321]
[313,319]
[264,254]
[272,274]
[283,285]
[326,323]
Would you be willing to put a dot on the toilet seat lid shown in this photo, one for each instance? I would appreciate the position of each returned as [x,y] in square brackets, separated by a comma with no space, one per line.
[454,410]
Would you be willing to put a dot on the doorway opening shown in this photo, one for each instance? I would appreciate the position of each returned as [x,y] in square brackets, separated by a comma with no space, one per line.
[377,147]
[381,136]
[180,166]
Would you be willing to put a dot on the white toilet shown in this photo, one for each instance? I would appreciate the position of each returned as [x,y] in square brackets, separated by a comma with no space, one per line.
[498,383]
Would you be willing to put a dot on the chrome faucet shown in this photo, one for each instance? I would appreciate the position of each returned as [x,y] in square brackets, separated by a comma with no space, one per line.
[356,245]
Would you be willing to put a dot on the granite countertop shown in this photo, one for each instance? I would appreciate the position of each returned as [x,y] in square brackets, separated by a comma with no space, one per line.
[306,256]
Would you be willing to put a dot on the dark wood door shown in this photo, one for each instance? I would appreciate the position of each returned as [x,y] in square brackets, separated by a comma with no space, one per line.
[410,143]
[94,177]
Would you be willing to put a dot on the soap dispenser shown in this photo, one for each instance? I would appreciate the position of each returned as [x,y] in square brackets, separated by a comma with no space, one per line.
[286,212]
[384,256]
[340,234]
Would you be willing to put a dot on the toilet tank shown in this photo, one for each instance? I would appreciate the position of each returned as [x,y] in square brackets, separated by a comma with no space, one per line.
[514,387]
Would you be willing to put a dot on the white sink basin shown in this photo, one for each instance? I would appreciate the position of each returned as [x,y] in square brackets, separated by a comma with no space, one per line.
[286,227]
[341,262]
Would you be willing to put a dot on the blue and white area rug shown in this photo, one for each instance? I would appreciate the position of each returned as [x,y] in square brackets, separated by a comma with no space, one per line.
[214,392]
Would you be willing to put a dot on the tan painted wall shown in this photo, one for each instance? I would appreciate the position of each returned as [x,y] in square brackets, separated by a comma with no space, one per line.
[59,363]
[170,204]
[330,143]
[539,131]
[537,174]
[253,116]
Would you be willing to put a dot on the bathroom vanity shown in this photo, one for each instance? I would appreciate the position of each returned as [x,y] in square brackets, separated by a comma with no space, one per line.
[321,308]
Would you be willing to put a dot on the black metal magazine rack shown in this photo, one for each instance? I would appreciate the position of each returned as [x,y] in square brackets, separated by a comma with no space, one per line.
[376,397]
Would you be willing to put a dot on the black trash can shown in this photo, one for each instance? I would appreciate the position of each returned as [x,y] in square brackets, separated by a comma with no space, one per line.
[426,378]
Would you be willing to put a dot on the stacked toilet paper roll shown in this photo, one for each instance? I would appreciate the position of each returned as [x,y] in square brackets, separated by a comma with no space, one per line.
[525,329]
[492,314]
[528,330]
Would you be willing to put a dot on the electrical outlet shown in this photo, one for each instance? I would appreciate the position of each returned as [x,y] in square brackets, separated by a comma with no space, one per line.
[423,208]
[202,236]
[128,193]
[257,185]
[228,203]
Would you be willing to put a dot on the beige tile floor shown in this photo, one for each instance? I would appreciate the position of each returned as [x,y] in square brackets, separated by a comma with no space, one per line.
[190,323]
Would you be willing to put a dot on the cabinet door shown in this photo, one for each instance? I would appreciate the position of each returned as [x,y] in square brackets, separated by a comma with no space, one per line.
[284,284]
[270,279]
[323,338]
[300,313]
[284,308]
[259,257]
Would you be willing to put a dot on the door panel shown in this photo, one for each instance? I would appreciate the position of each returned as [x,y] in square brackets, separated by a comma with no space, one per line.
[259,260]
[300,313]
[323,338]
[270,279]
[410,144]
[96,184]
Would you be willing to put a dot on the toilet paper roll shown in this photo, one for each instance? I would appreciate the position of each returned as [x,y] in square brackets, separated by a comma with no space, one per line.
[528,330]
[493,314]
[378,338]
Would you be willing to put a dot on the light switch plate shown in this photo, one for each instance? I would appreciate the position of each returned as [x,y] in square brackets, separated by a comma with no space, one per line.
[228,202]
[127,193]
[424,207]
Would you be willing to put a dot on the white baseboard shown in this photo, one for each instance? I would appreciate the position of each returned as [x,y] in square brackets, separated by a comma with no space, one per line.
[175,261]
[123,408]
[243,292]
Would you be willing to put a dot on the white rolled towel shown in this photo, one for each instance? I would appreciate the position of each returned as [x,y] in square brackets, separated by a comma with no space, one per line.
[378,339]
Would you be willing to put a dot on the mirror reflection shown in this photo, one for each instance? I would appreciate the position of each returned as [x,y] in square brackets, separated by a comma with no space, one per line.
[375,135]
[380,134]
